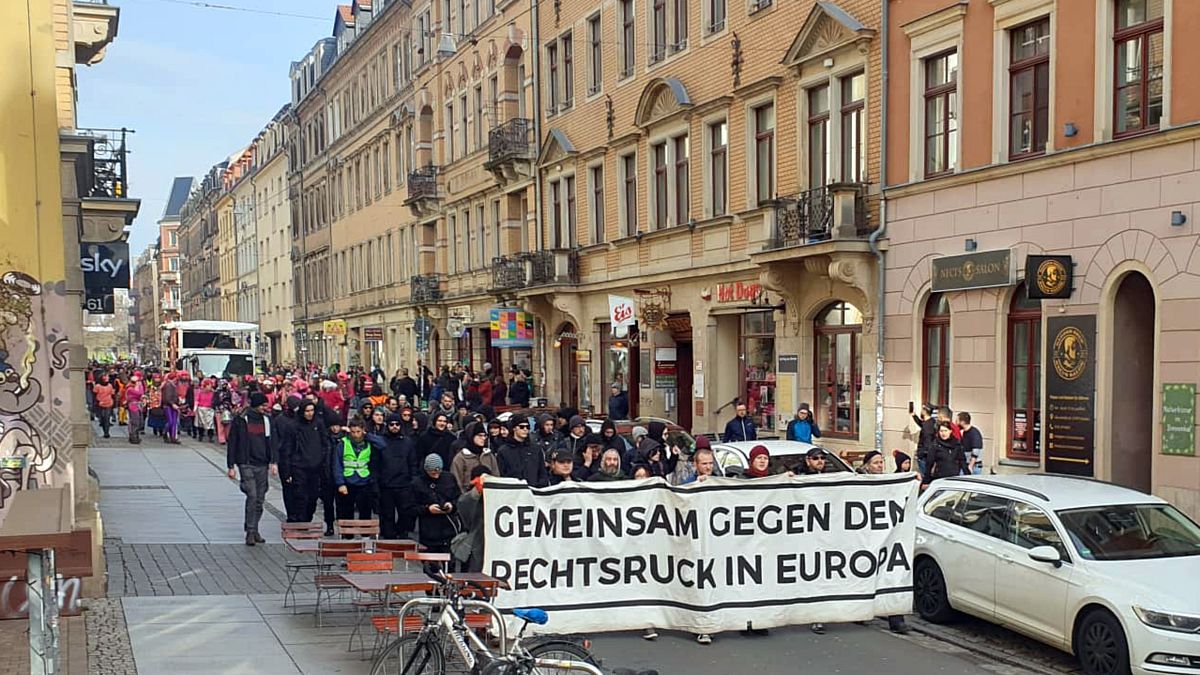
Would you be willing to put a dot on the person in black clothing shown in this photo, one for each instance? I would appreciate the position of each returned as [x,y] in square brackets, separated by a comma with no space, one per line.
[518,458]
[653,452]
[435,493]
[576,438]
[562,466]
[518,391]
[587,460]
[928,424]
[306,454]
[814,463]
[355,465]
[250,452]
[610,438]
[547,437]
[405,386]
[337,431]
[284,425]
[437,439]
[945,456]
[399,463]
[499,391]
[618,403]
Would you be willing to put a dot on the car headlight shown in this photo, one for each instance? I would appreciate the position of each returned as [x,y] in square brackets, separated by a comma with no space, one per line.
[1180,623]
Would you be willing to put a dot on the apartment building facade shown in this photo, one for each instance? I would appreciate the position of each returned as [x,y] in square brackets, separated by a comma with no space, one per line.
[201,270]
[144,289]
[272,240]
[1041,271]
[169,250]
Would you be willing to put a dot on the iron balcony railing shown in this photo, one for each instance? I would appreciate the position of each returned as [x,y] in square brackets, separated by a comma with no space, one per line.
[422,183]
[508,272]
[554,266]
[808,218]
[109,162]
[425,288]
[511,140]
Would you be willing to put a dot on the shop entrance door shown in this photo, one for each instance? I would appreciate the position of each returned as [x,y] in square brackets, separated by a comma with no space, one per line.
[683,382]
[568,373]
[1133,375]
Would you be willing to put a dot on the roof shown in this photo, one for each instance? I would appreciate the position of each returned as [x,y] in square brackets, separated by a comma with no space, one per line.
[1058,491]
[181,187]
[347,14]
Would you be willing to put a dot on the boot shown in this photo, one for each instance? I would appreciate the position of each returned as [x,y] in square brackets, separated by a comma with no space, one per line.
[250,539]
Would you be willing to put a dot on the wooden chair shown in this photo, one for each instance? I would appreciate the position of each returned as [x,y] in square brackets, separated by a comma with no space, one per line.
[330,551]
[365,562]
[425,556]
[397,548]
[357,528]
[295,567]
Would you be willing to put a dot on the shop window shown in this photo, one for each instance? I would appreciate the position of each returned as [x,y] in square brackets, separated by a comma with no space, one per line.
[1139,46]
[758,367]
[1024,376]
[935,345]
[838,334]
[619,364]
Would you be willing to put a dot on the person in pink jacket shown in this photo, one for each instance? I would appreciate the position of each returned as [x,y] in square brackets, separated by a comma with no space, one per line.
[134,392]
[205,415]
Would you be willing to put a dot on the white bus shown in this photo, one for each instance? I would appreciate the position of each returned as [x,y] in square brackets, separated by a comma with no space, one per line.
[203,348]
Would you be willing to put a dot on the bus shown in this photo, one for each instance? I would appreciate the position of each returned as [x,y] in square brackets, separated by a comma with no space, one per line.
[205,348]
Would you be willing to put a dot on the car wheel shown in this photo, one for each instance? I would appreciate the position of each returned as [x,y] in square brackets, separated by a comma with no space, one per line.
[1100,645]
[929,592]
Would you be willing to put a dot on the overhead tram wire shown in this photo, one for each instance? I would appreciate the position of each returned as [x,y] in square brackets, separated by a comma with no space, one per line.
[199,4]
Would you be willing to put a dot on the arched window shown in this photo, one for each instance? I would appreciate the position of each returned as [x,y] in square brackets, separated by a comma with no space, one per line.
[935,375]
[837,332]
[1024,376]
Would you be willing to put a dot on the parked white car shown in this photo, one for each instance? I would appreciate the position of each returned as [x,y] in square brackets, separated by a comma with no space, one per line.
[732,459]
[1109,574]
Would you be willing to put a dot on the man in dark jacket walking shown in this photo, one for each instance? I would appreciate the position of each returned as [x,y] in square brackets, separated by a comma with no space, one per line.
[741,427]
[305,456]
[284,425]
[250,452]
[547,436]
[399,464]
[518,392]
[437,439]
[519,458]
[435,493]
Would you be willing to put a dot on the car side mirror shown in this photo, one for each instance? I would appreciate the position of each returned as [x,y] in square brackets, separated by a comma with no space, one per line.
[1046,554]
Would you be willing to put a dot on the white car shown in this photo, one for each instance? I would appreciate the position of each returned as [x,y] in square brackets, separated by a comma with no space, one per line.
[1109,574]
[732,459]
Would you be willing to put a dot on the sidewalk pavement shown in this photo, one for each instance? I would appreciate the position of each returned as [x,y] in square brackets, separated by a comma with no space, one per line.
[195,599]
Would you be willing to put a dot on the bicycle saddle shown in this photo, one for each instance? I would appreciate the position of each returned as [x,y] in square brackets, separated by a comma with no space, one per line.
[536,616]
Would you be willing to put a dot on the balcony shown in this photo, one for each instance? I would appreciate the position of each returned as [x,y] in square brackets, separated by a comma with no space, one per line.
[837,211]
[425,288]
[511,150]
[423,194]
[553,268]
[99,160]
[508,273]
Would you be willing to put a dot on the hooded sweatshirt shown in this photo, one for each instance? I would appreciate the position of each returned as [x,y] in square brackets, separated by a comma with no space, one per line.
[471,456]
[399,461]
[309,443]
[432,441]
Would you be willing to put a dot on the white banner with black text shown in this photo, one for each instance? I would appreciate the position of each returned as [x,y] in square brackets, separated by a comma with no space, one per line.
[706,557]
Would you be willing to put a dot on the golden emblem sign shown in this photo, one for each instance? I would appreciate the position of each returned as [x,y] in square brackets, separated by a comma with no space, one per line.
[1070,354]
[968,271]
[1051,277]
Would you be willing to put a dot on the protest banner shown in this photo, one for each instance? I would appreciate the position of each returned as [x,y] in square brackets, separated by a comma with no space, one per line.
[705,557]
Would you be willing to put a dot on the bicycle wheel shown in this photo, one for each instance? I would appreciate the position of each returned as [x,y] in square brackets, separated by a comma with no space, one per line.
[560,650]
[410,655]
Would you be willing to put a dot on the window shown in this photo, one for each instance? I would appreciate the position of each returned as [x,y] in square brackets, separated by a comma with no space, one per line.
[1029,88]
[1030,527]
[756,5]
[521,90]
[569,187]
[595,56]
[1024,376]
[173,239]
[757,345]
[568,71]
[493,100]
[682,186]
[448,133]
[941,117]
[659,152]
[936,331]
[718,134]
[386,158]
[854,150]
[629,193]
[818,136]
[556,212]
[596,176]
[1138,44]
[467,233]
[628,35]
[764,153]
[716,15]
[943,505]
[552,77]
[986,514]
[478,116]
[462,125]
[838,383]
[681,25]
[496,227]
[659,31]
[451,239]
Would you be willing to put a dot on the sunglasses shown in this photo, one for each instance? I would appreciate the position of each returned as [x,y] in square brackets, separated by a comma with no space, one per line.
[393,424]
[522,426]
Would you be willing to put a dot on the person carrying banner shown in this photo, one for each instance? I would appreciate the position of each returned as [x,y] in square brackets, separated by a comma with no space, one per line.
[873,465]
[518,458]
[562,466]
[467,546]
[609,468]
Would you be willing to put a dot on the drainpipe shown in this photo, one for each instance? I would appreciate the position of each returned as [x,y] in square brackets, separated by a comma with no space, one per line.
[537,171]
[873,240]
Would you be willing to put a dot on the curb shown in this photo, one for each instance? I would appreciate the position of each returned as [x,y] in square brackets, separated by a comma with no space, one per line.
[936,632]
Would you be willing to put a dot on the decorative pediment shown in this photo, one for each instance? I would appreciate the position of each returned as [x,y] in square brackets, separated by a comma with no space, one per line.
[402,112]
[827,29]
[661,99]
[555,148]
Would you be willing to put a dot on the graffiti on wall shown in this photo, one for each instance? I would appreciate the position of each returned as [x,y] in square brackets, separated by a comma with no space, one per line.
[34,424]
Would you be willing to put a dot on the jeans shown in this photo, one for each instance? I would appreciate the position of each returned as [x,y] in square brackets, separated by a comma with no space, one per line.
[254,485]
[135,426]
[105,417]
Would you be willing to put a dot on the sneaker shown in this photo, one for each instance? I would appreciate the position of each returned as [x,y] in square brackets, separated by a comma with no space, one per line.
[328,531]
[250,539]
[897,625]
[704,639]
[818,628]
[258,539]
[649,634]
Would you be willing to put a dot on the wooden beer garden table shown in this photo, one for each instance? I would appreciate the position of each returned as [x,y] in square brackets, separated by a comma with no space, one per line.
[407,582]
[311,545]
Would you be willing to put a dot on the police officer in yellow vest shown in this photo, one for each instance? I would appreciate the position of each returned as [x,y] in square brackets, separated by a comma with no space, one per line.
[354,469]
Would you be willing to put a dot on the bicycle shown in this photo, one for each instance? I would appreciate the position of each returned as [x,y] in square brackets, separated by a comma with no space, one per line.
[447,636]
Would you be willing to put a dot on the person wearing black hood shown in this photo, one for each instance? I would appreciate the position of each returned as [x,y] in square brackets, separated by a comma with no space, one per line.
[575,439]
[284,425]
[399,464]
[306,451]
[611,439]
[653,452]
[437,439]
[547,437]
[251,453]
[519,458]
[587,460]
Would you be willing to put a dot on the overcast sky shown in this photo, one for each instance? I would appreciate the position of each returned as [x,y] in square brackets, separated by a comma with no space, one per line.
[195,83]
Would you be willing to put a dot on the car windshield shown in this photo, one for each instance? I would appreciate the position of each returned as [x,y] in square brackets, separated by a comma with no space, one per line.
[785,463]
[224,365]
[1131,532]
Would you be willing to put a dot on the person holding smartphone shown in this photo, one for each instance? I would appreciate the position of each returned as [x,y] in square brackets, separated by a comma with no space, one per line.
[435,493]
